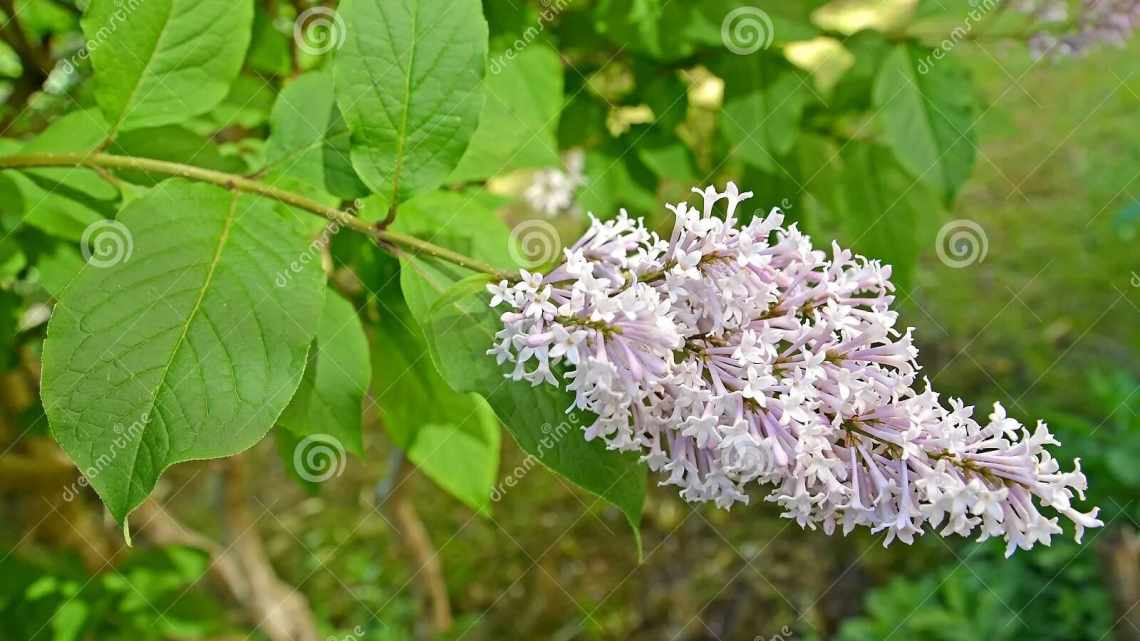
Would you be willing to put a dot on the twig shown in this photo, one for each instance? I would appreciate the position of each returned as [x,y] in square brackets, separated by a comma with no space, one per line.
[1120,560]
[415,536]
[34,58]
[383,237]
[35,62]
[243,567]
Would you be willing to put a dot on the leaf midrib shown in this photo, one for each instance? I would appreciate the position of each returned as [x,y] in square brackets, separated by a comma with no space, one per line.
[401,139]
[924,101]
[142,74]
[223,238]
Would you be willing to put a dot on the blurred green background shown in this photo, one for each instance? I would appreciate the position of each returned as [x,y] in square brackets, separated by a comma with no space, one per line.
[1047,323]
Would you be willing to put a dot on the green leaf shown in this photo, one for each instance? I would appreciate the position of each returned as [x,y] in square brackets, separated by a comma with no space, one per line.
[268,48]
[11,198]
[58,267]
[246,106]
[309,139]
[64,201]
[459,334]
[10,305]
[518,126]
[291,449]
[12,259]
[663,90]
[183,349]
[329,398]
[668,30]
[670,159]
[407,82]
[652,27]
[612,184]
[878,207]
[452,437]
[160,62]
[172,143]
[927,110]
[764,98]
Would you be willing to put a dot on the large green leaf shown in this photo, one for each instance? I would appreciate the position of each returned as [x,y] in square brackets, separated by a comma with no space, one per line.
[310,140]
[181,346]
[927,109]
[407,82]
[764,98]
[519,124]
[459,330]
[452,437]
[160,62]
[329,398]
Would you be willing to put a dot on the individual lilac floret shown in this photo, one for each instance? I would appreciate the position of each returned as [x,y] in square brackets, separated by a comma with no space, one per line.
[727,355]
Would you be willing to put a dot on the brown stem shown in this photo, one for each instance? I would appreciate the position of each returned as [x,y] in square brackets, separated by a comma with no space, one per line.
[33,56]
[1120,558]
[35,62]
[242,566]
[415,536]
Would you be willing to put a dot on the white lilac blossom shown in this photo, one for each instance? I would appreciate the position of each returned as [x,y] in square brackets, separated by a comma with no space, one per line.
[551,191]
[728,354]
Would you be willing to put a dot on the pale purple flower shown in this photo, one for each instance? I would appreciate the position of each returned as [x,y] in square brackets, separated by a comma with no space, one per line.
[1095,23]
[729,356]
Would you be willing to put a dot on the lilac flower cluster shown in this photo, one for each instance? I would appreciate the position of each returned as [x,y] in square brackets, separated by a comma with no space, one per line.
[1099,22]
[730,354]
